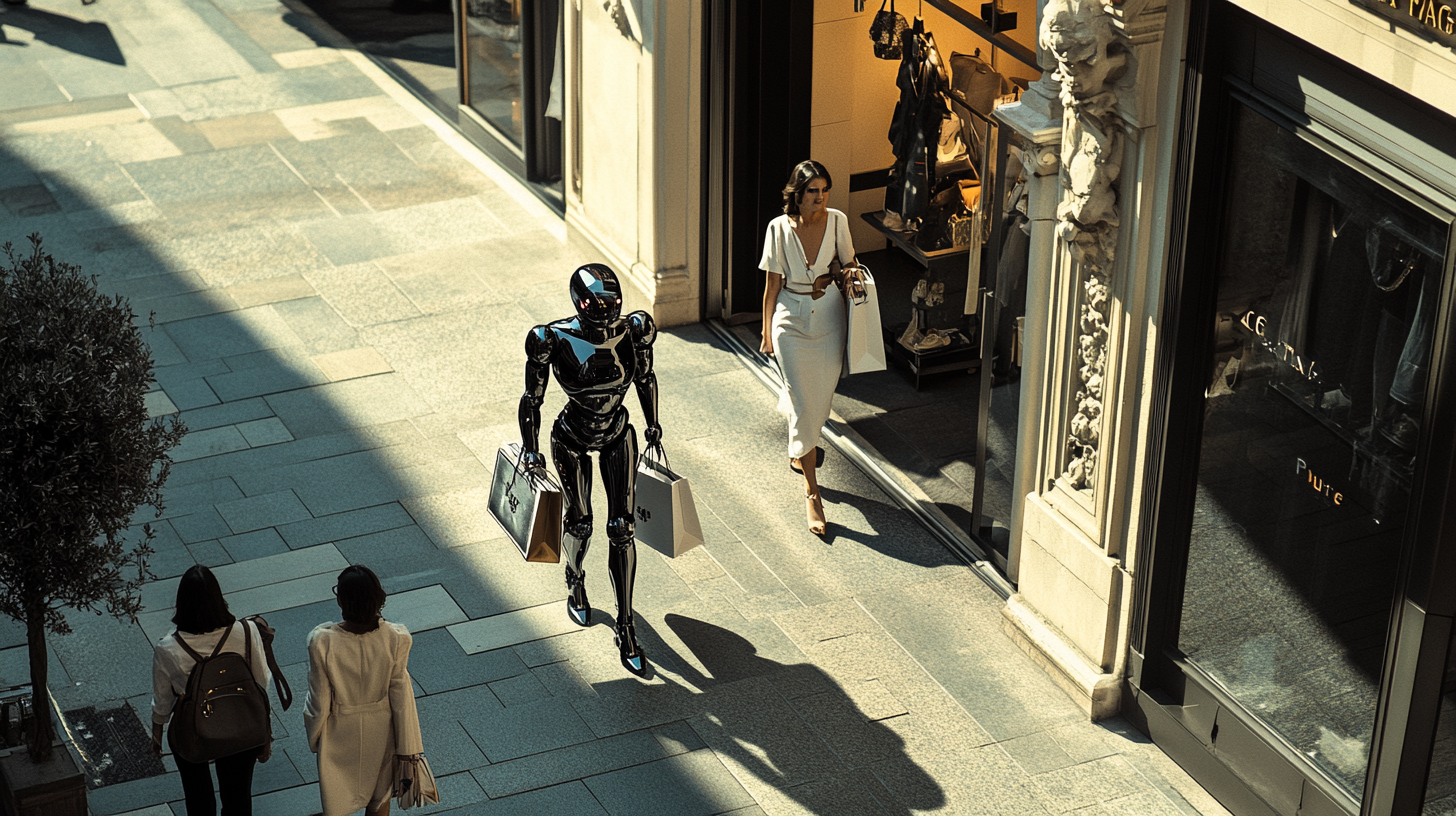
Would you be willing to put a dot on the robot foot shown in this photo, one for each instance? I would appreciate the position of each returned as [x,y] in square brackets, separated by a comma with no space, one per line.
[578,608]
[632,658]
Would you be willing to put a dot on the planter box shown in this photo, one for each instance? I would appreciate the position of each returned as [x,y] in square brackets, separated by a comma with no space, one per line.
[55,788]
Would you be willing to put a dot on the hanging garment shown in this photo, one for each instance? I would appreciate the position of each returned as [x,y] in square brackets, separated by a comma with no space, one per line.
[915,126]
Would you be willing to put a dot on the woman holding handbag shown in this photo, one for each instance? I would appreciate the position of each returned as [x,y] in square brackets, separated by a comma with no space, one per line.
[203,621]
[360,710]
[810,264]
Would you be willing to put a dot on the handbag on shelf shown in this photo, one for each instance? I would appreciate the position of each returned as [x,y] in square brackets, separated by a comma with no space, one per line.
[864,342]
[667,518]
[527,506]
[414,782]
[886,31]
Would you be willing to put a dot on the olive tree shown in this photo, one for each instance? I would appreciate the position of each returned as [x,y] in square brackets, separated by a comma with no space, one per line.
[78,456]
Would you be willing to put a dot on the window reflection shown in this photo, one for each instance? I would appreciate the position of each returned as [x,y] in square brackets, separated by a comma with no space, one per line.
[493,63]
[1326,298]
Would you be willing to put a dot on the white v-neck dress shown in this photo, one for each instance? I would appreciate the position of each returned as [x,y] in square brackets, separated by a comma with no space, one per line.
[808,334]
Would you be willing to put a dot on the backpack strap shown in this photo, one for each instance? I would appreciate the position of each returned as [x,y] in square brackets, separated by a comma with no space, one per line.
[280,683]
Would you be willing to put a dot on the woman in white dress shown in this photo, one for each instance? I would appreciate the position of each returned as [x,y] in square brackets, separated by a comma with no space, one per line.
[360,712]
[809,260]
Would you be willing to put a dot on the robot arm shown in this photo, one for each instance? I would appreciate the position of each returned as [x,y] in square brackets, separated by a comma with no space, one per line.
[644,334]
[539,344]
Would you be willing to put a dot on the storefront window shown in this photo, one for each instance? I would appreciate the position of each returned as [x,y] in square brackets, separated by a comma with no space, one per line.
[493,64]
[1441,784]
[1326,295]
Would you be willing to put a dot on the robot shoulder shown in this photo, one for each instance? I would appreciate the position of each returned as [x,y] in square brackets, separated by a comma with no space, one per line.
[540,343]
[644,331]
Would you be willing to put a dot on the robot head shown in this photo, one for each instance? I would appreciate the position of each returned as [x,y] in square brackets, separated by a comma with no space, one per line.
[597,294]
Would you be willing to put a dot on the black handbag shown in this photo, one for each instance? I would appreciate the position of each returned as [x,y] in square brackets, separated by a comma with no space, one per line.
[886,30]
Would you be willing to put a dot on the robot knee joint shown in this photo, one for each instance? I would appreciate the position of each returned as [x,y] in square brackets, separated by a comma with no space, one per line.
[621,531]
[579,529]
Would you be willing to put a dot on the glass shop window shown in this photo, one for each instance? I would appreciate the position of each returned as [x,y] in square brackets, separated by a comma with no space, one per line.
[1326,291]
[493,64]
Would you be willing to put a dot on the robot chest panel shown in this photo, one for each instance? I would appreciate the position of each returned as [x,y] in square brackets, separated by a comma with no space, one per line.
[588,368]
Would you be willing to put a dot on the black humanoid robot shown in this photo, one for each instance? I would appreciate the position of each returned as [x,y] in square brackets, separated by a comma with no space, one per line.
[596,355]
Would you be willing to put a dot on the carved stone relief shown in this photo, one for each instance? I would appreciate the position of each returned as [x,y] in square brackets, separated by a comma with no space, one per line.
[1094,67]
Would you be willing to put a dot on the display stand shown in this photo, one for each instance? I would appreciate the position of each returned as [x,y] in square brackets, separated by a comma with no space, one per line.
[947,266]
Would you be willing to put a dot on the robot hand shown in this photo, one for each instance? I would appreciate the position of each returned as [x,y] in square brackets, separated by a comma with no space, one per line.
[653,434]
[533,462]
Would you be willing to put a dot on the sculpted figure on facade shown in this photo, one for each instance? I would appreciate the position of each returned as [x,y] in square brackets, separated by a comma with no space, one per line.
[1094,66]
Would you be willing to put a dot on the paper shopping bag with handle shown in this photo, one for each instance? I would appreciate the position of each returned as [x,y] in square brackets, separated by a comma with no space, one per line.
[667,519]
[864,344]
[528,506]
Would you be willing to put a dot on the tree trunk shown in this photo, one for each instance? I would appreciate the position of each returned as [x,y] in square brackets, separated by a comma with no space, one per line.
[42,732]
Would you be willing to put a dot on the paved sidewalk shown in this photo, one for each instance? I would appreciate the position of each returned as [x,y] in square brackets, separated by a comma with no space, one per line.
[341,290]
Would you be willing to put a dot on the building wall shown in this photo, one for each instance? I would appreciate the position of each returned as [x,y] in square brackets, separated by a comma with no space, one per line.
[633,146]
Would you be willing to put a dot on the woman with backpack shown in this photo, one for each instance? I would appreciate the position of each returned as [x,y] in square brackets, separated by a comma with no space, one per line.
[360,710]
[205,627]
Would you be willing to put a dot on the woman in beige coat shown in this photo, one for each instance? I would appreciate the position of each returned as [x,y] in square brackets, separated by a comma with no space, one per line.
[360,710]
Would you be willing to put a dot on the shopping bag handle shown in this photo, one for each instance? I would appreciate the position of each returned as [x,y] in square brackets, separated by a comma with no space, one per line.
[867,280]
[657,454]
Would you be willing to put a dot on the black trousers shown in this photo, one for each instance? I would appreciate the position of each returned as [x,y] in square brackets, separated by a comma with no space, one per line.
[234,784]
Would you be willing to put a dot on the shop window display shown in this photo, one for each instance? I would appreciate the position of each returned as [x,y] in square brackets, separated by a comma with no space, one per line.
[1326,291]
[493,64]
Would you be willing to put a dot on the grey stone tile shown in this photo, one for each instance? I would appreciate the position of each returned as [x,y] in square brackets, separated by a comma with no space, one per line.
[301,799]
[201,526]
[678,738]
[28,85]
[565,764]
[523,688]
[190,394]
[261,432]
[130,796]
[438,664]
[362,294]
[185,135]
[459,789]
[449,748]
[530,728]
[318,325]
[266,510]
[100,656]
[1088,783]
[1037,753]
[231,413]
[982,780]
[216,336]
[197,444]
[512,628]
[348,404]
[256,544]
[684,785]
[349,524]
[784,750]
[265,380]
[235,185]
[852,793]
[570,799]
[209,554]
[186,499]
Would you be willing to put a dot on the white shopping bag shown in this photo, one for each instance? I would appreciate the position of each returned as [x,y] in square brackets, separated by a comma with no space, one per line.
[667,519]
[864,346]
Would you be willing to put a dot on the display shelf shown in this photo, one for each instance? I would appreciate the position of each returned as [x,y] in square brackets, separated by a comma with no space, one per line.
[960,355]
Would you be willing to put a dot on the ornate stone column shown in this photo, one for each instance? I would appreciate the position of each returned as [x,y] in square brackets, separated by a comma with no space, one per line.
[1068,612]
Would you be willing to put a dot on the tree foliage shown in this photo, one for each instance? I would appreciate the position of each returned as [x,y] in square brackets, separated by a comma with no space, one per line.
[78,454]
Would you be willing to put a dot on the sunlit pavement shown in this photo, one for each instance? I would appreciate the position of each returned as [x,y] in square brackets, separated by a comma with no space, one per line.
[341,290]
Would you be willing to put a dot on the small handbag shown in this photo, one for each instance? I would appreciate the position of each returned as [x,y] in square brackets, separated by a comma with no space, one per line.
[886,31]
[414,782]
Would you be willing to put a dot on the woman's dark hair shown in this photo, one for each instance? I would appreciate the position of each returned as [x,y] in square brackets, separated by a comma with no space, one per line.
[361,596]
[200,605]
[799,178]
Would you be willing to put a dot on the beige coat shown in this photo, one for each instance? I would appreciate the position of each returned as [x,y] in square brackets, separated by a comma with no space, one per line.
[360,713]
